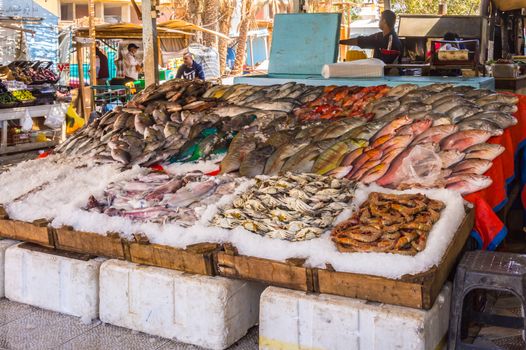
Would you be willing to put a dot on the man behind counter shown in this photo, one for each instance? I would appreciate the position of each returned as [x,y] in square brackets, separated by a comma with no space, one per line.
[382,42]
[190,70]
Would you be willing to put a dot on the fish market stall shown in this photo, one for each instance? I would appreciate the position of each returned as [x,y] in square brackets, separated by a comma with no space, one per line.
[31,115]
[300,57]
[347,190]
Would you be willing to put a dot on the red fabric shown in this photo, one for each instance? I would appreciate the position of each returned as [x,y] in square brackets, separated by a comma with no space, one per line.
[487,224]
[157,167]
[214,173]
[44,154]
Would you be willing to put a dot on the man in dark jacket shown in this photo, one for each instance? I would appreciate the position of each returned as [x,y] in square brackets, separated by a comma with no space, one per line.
[103,72]
[382,42]
[190,70]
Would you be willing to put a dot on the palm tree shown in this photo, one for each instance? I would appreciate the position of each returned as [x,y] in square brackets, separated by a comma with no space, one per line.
[227,10]
[246,13]
[210,21]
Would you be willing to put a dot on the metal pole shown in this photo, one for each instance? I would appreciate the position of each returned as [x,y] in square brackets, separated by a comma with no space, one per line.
[150,44]
[387,4]
[92,48]
[81,79]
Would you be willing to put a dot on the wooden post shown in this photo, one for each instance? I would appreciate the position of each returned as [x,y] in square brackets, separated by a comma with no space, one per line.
[149,41]
[80,63]
[92,48]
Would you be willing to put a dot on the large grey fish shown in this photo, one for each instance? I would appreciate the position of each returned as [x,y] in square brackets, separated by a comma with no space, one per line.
[401,90]
[121,156]
[242,144]
[434,98]
[497,97]
[503,120]
[500,107]
[437,87]
[480,124]
[477,93]
[277,159]
[231,110]
[142,121]
[254,162]
[462,112]
[448,105]
[276,105]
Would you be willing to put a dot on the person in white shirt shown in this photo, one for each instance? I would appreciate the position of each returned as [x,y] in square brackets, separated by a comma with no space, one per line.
[132,67]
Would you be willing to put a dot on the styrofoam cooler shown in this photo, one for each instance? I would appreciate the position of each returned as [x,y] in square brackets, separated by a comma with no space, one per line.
[53,282]
[4,244]
[296,320]
[213,312]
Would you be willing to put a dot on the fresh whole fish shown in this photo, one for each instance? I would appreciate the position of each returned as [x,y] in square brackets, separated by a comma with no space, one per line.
[435,134]
[330,158]
[488,151]
[468,183]
[480,124]
[451,157]
[464,139]
[497,97]
[276,161]
[401,90]
[503,120]
[391,127]
[500,107]
[415,128]
[472,166]
[461,112]
[254,162]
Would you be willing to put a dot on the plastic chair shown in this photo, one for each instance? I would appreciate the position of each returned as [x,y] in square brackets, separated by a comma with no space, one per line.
[487,271]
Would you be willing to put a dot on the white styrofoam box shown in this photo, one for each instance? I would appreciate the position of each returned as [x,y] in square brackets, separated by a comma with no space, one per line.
[53,282]
[296,320]
[212,312]
[4,244]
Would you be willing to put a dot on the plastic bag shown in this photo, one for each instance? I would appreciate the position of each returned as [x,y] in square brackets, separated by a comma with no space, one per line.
[208,58]
[56,117]
[422,167]
[26,122]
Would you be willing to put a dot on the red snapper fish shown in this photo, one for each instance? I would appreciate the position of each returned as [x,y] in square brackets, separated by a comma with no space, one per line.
[488,151]
[435,134]
[463,139]
[472,166]
[468,183]
[416,128]
[391,127]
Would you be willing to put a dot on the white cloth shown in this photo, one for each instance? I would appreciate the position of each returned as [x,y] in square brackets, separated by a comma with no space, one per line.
[130,66]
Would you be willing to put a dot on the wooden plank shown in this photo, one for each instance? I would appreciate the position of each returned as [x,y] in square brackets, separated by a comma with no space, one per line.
[110,246]
[196,259]
[287,275]
[417,291]
[371,288]
[36,232]
[149,40]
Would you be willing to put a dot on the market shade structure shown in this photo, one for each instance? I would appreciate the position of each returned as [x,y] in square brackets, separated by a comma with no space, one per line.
[175,29]
[129,31]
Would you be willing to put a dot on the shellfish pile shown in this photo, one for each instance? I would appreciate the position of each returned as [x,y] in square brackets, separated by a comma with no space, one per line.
[389,223]
[290,207]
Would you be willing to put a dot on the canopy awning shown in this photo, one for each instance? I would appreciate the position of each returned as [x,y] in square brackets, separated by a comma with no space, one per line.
[175,29]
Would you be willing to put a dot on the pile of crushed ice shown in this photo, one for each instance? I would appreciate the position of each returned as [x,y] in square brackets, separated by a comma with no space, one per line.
[58,191]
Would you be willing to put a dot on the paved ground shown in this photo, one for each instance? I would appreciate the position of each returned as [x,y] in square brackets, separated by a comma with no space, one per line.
[26,327]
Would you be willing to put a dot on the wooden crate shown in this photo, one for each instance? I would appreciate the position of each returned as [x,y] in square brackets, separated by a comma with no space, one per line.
[417,291]
[291,274]
[110,245]
[37,231]
[197,258]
